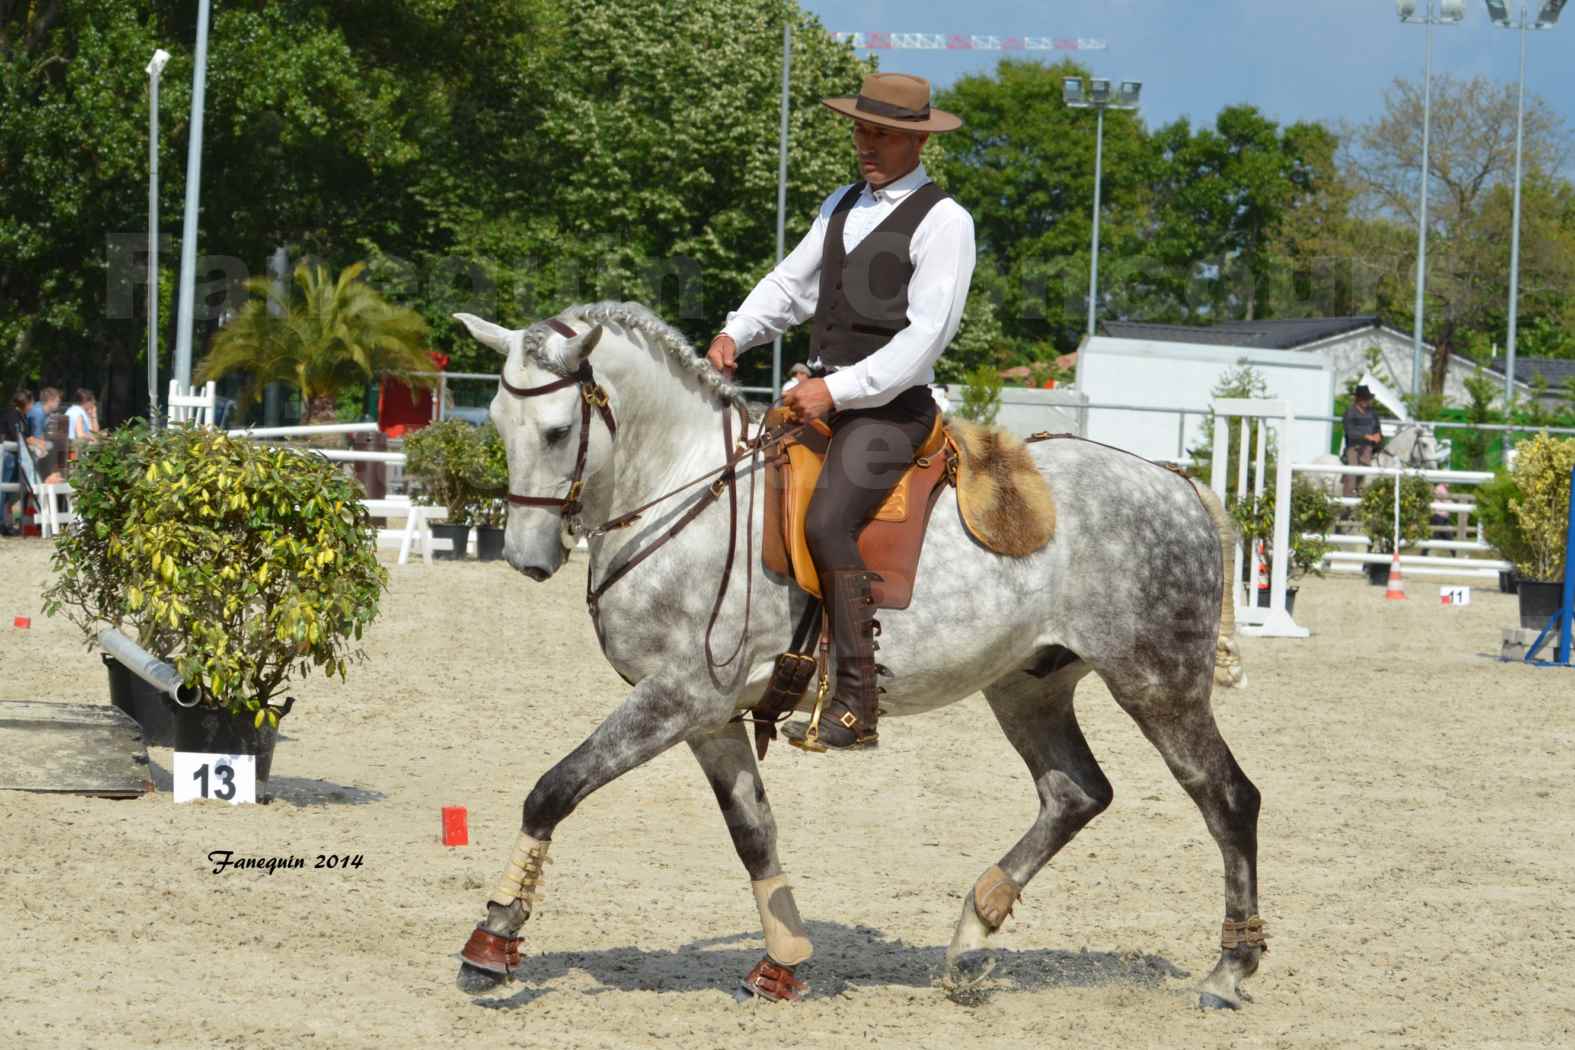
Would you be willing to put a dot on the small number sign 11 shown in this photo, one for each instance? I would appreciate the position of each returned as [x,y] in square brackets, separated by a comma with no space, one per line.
[228,778]
[1454,595]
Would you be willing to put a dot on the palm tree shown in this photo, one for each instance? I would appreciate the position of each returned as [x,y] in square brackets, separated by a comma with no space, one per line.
[319,335]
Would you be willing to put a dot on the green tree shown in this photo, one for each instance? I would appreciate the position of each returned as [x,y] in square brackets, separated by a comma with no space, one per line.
[1023,164]
[1470,166]
[320,335]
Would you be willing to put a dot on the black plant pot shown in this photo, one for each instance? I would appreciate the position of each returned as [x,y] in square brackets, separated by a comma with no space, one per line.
[1539,600]
[1508,581]
[147,706]
[212,730]
[489,544]
[458,535]
[1377,573]
[1290,599]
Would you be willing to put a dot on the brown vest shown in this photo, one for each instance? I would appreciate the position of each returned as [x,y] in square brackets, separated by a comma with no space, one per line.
[864,295]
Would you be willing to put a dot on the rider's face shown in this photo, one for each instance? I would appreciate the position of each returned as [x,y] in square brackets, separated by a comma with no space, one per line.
[886,153]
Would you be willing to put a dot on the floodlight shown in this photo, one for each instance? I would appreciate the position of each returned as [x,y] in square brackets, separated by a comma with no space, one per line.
[1451,10]
[161,57]
[1407,9]
[1072,91]
[1551,9]
[1498,12]
[1130,91]
[1100,92]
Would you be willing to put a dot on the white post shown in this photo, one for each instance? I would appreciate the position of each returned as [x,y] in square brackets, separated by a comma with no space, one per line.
[1421,226]
[1279,570]
[155,67]
[782,168]
[188,244]
[1093,265]
[1514,239]
[1273,620]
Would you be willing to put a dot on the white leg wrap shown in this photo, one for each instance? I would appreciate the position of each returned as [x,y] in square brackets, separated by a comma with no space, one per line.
[786,939]
[523,878]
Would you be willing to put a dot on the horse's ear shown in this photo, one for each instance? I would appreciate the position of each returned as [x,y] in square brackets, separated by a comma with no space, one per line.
[485,332]
[580,347]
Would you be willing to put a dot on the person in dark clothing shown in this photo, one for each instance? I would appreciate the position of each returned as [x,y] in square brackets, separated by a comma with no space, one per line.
[13,428]
[1362,435]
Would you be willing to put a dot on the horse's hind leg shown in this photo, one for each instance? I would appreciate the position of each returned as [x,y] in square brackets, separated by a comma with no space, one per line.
[655,716]
[729,764]
[1038,717]
[1182,728]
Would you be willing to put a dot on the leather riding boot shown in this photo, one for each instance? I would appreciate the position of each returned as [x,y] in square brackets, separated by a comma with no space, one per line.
[848,718]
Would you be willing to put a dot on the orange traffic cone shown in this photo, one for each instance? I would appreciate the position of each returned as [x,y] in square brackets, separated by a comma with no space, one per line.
[1396,591]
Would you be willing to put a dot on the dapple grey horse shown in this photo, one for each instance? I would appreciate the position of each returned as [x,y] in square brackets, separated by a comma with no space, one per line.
[1129,588]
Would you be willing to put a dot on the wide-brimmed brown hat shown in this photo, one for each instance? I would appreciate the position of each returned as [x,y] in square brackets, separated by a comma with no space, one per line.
[896,100]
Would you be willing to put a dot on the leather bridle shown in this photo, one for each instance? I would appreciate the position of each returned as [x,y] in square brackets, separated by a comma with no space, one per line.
[591,396]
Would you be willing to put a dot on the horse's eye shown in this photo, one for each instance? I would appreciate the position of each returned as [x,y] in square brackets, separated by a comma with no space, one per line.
[556,435]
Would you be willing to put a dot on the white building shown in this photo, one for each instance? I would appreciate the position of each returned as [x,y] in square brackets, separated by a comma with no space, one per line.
[1347,343]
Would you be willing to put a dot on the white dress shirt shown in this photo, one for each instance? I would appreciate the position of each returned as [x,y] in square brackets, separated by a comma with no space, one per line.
[942,252]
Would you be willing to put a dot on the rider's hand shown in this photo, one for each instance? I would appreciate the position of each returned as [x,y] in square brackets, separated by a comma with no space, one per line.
[723,353]
[809,400]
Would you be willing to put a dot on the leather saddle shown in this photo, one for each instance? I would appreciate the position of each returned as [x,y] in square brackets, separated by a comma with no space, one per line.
[892,541]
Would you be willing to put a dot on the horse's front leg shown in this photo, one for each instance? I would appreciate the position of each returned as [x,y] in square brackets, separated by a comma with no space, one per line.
[656,715]
[729,764]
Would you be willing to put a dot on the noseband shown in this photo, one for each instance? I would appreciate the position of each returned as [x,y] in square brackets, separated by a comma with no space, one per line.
[591,396]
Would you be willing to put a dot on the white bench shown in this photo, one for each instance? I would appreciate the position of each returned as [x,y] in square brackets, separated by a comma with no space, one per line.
[418,525]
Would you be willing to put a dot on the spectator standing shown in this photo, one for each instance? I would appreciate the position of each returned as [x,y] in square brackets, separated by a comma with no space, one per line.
[13,428]
[82,418]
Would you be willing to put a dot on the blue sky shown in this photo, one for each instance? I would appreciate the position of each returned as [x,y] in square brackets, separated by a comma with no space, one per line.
[1294,59]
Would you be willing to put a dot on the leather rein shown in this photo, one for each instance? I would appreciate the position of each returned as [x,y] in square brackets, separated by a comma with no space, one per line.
[592,396]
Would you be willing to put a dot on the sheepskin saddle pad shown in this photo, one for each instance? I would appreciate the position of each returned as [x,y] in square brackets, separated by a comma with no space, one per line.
[1005,501]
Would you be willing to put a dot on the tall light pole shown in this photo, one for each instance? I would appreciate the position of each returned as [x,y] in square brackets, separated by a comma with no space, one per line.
[188,242]
[1448,13]
[1546,18]
[782,144]
[155,67]
[1099,97]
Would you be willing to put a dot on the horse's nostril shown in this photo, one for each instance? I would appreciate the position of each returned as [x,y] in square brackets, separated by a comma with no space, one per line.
[535,572]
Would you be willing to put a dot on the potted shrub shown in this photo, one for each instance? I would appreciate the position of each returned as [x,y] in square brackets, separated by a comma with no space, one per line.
[1377,515]
[1541,509]
[493,486]
[446,460]
[1313,515]
[241,564]
[1501,526]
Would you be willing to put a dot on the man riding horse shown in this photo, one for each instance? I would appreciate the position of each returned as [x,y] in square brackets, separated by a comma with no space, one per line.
[884,271]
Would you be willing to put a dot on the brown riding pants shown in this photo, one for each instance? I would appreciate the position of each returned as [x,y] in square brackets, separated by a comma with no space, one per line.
[1359,455]
[869,451]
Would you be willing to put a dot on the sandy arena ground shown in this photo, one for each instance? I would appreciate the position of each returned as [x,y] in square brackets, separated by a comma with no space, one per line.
[1417,854]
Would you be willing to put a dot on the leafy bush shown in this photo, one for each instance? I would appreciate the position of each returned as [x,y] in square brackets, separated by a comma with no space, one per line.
[447,460]
[241,564]
[1542,473]
[1377,512]
[1500,524]
[494,479]
[1313,515]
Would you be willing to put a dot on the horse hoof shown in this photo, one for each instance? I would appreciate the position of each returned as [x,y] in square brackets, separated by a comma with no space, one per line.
[1210,1001]
[965,978]
[475,981]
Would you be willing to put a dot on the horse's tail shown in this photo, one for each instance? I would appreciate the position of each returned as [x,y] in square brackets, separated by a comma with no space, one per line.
[1228,669]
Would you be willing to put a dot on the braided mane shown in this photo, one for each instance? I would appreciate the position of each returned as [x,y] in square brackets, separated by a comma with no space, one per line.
[626,319]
